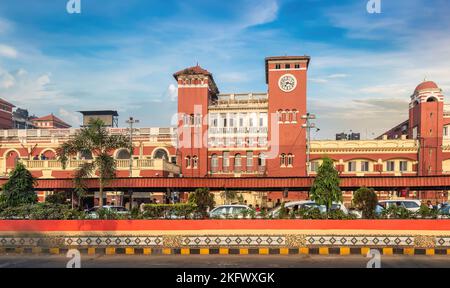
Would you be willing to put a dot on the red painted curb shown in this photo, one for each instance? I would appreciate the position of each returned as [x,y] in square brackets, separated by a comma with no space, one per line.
[166,225]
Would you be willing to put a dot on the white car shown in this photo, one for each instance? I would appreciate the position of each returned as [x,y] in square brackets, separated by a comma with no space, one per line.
[230,211]
[116,209]
[410,205]
[306,204]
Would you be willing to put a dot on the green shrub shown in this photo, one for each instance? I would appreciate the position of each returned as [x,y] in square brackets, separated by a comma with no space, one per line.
[366,201]
[282,213]
[426,212]
[340,215]
[311,213]
[203,200]
[395,212]
[19,189]
[57,198]
[41,211]
[168,211]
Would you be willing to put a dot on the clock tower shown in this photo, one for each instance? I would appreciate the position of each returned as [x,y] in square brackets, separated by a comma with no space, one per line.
[286,77]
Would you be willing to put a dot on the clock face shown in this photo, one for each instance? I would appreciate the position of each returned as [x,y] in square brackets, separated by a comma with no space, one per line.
[287,83]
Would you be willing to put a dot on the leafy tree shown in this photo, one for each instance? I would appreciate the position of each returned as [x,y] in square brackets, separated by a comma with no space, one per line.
[325,189]
[19,189]
[96,139]
[57,198]
[203,199]
[228,195]
[366,200]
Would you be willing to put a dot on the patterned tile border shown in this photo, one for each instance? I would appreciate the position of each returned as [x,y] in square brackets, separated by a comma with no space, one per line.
[232,241]
[343,251]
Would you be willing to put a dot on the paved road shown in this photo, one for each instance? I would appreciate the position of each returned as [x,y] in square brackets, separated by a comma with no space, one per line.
[217,261]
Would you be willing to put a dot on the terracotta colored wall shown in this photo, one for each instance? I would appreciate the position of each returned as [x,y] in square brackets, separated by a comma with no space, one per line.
[292,137]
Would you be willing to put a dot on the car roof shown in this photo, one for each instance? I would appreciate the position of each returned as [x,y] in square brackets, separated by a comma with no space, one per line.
[298,202]
[399,200]
[232,205]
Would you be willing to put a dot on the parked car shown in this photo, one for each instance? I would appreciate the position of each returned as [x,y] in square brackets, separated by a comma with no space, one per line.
[294,205]
[444,212]
[308,204]
[411,205]
[230,211]
[116,209]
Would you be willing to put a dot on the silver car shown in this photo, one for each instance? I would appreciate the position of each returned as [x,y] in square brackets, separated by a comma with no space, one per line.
[92,213]
[230,211]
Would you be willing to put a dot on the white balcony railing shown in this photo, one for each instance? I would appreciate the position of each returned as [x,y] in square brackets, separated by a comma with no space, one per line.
[151,164]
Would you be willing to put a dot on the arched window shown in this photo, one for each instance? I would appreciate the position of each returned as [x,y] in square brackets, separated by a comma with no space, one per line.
[123,154]
[280,115]
[237,162]
[432,99]
[11,159]
[188,162]
[290,160]
[294,116]
[261,160]
[214,162]
[283,160]
[86,155]
[48,155]
[161,154]
[195,162]
[287,118]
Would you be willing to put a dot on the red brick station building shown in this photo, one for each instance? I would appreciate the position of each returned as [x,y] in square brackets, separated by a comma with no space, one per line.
[248,135]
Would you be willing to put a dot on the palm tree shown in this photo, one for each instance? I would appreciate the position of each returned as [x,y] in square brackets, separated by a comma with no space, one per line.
[96,139]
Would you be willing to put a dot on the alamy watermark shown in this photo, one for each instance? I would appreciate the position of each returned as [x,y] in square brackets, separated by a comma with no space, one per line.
[73,6]
[75,259]
[374,6]
[375,261]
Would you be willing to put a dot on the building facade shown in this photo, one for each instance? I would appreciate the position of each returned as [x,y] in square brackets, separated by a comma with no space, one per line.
[256,134]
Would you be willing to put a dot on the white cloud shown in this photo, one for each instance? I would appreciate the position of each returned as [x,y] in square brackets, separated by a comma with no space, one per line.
[173,92]
[7,51]
[5,26]
[6,79]
[318,80]
[43,80]
[261,12]
[73,118]
[21,72]
[334,76]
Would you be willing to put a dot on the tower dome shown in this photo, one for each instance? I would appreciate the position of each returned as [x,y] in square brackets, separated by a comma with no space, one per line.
[426,85]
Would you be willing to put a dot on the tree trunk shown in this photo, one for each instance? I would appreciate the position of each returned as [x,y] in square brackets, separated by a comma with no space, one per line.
[100,194]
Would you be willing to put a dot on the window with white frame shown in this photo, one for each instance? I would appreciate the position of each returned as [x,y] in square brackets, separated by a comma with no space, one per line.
[226,160]
[262,160]
[237,161]
[290,160]
[283,160]
[195,162]
[314,166]
[249,160]
[188,162]
[365,166]
[352,166]
[214,161]
[390,166]
[403,166]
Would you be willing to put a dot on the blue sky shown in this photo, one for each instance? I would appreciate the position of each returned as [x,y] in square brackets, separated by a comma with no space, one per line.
[121,54]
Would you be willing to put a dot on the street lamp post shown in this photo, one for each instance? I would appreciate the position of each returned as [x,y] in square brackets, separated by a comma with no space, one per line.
[308,125]
[131,121]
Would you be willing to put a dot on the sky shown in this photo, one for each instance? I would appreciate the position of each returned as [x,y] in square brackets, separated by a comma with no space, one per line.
[121,54]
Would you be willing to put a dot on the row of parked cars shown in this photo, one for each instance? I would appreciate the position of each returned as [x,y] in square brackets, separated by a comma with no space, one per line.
[240,211]
[237,211]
